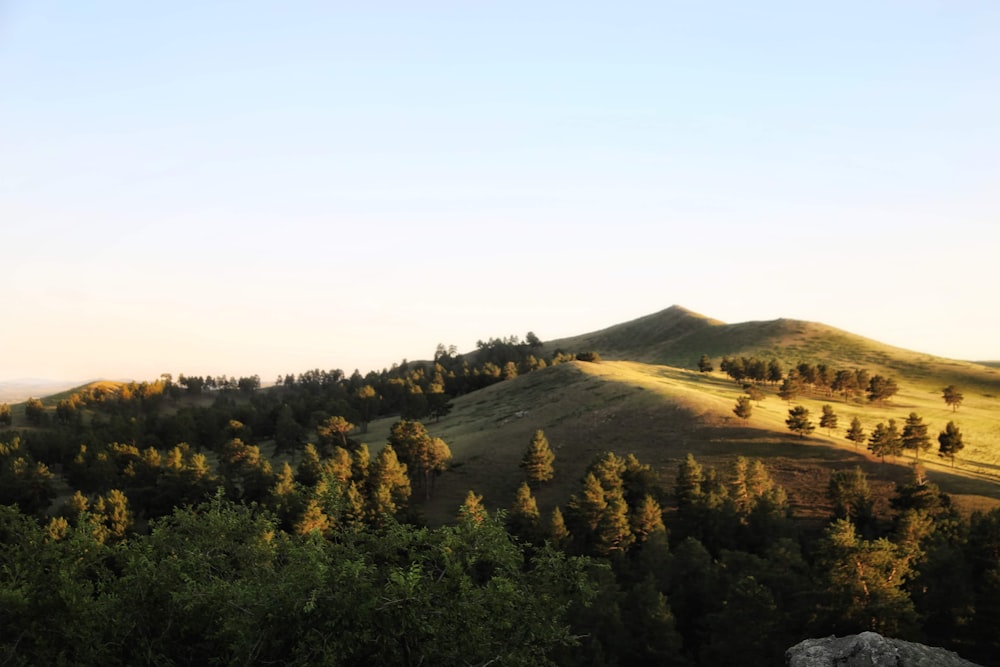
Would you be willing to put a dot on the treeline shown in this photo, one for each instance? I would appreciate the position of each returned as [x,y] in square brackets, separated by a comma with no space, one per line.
[197,410]
[805,377]
[711,569]
[717,571]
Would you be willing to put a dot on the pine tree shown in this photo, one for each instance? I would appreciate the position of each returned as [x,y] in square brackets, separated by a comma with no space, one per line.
[613,530]
[705,364]
[885,440]
[915,435]
[646,518]
[310,467]
[950,442]
[855,433]
[743,408]
[952,396]
[537,459]
[558,532]
[472,510]
[523,518]
[828,419]
[390,486]
[587,506]
[798,421]
[848,491]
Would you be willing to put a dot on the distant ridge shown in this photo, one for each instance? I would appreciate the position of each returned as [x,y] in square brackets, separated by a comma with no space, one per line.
[677,337]
[21,389]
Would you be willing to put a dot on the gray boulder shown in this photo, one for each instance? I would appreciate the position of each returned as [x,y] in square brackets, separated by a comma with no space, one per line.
[869,649]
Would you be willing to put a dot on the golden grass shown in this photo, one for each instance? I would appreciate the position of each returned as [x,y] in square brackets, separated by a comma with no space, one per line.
[661,413]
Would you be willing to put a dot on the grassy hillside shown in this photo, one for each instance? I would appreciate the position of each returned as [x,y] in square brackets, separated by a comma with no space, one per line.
[678,337]
[661,413]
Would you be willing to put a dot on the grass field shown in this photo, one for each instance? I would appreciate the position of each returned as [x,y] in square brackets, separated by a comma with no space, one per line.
[661,413]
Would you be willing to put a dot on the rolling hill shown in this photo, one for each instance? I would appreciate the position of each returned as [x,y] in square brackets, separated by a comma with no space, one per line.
[645,397]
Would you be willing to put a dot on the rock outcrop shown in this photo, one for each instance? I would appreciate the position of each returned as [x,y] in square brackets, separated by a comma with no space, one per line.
[869,649]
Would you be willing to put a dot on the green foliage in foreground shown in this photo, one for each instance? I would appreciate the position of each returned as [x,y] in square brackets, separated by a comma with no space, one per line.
[221,584]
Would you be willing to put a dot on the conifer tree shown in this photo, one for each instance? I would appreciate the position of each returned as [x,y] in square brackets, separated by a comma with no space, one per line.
[856,433]
[828,419]
[310,467]
[472,510]
[950,442]
[523,518]
[537,459]
[558,532]
[915,435]
[952,396]
[587,506]
[743,408]
[798,421]
[284,498]
[646,518]
[705,364]
[389,483]
[613,530]
[313,519]
[886,440]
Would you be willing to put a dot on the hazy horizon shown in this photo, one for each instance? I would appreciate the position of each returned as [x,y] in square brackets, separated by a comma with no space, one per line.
[265,189]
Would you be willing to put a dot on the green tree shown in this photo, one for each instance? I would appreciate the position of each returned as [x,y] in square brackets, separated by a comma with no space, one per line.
[754,393]
[743,408]
[774,371]
[425,457]
[34,412]
[538,458]
[845,383]
[856,433]
[952,396]
[558,532]
[705,364]
[950,442]
[368,401]
[472,510]
[915,435]
[288,433]
[5,416]
[332,432]
[390,485]
[881,389]
[523,519]
[864,588]
[798,421]
[851,498]
[886,440]
[828,419]
[789,389]
[646,518]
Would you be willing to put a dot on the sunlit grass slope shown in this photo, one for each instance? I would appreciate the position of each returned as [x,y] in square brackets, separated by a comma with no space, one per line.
[661,413]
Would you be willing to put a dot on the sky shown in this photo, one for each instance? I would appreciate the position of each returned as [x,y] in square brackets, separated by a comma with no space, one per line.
[271,187]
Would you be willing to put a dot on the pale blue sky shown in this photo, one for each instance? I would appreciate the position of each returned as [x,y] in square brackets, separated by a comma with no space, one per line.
[264,187]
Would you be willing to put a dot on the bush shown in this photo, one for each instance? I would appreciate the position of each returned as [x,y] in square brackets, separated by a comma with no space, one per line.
[591,356]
